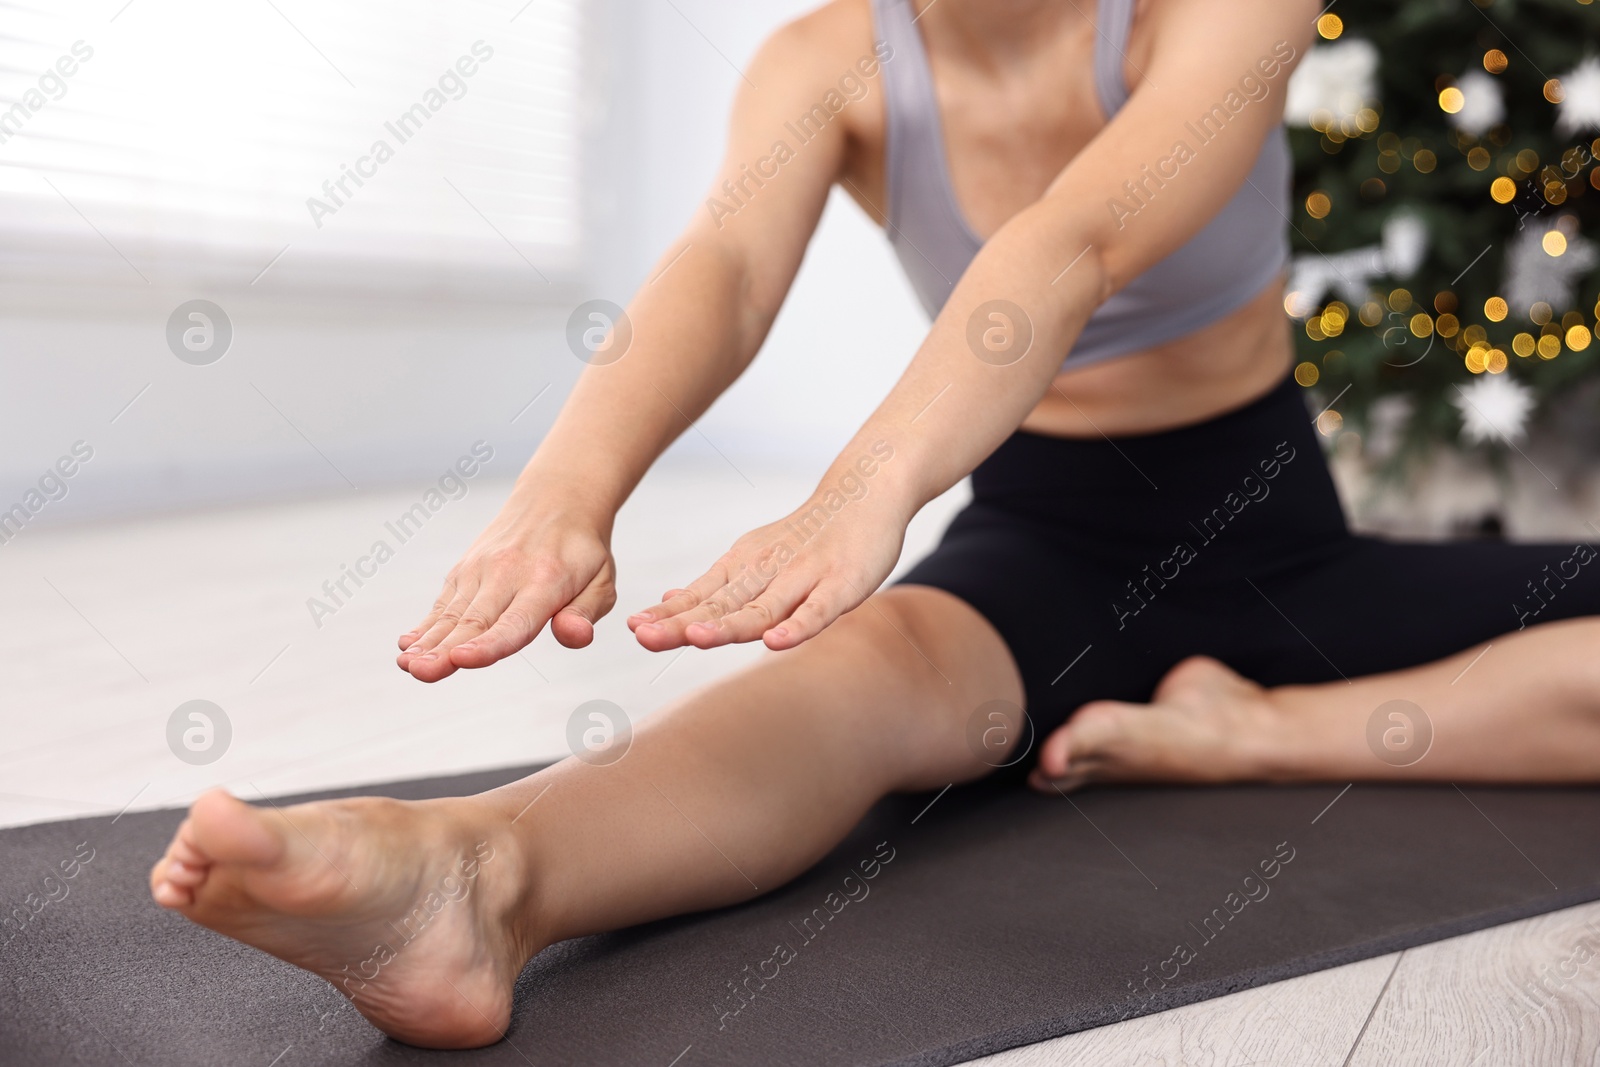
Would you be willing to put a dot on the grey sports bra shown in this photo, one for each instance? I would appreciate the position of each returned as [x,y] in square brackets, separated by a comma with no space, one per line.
[1219,269]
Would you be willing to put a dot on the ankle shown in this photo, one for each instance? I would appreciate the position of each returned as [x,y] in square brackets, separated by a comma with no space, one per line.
[1296,743]
[507,871]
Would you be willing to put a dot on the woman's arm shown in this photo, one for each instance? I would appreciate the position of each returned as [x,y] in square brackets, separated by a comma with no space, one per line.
[1037,280]
[696,325]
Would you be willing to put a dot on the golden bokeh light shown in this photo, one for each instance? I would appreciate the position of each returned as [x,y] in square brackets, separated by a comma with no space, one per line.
[1447,325]
[1451,100]
[1578,338]
[1495,308]
[1496,363]
[1554,242]
[1477,359]
[1318,205]
[1330,26]
[1502,189]
[1522,345]
[1549,347]
[1421,325]
[1307,374]
[1494,61]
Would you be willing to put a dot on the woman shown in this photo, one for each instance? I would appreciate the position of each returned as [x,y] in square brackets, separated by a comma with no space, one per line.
[1152,519]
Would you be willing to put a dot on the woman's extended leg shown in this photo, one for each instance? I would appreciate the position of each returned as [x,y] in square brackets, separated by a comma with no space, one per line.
[425,912]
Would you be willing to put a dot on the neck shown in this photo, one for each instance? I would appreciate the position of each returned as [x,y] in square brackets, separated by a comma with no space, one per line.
[995,31]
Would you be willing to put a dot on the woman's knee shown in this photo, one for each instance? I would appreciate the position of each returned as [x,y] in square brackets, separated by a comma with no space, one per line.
[950,669]
[932,636]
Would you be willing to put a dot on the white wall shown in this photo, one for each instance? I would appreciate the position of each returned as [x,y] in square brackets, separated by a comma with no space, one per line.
[381,394]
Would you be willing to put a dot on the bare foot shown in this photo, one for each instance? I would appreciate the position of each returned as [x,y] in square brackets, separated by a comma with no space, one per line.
[1206,724]
[412,910]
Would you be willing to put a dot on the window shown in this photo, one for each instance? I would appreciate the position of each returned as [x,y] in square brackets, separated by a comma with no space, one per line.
[341,143]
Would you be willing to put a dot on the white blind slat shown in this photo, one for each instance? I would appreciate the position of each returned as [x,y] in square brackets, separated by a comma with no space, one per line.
[190,130]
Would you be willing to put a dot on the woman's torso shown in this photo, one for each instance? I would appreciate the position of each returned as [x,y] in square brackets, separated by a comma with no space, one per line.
[1008,127]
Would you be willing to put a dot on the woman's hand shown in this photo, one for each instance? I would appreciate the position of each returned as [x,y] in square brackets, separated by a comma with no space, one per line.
[531,566]
[785,582]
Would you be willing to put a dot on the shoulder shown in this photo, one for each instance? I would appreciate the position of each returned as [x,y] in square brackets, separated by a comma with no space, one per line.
[826,32]
[814,52]
[1199,24]
[821,62]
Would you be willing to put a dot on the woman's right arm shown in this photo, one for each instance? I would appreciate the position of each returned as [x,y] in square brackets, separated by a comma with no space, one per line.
[697,322]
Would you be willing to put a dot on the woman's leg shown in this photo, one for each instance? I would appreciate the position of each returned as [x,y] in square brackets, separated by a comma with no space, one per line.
[1528,710]
[425,912]
[1518,706]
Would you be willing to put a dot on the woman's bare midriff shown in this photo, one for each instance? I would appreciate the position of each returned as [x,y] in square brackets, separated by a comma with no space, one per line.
[1221,366]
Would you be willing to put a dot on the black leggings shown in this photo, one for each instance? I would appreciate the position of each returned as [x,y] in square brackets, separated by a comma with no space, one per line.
[1102,563]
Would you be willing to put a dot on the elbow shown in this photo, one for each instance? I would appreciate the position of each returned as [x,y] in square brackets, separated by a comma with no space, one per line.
[1076,254]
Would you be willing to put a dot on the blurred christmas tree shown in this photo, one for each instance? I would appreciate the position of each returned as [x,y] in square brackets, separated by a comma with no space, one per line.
[1447,170]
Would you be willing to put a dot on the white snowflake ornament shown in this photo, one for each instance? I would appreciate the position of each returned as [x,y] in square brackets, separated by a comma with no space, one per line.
[1339,78]
[1494,407]
[1350,274]
[1580,98]
[1535,276]
[1483,105]
[1405,243]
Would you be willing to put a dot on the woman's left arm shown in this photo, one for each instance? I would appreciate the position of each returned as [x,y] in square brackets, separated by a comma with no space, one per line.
[1140,189]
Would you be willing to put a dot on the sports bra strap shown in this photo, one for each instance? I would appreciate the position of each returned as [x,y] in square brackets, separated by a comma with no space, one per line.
[1112,19]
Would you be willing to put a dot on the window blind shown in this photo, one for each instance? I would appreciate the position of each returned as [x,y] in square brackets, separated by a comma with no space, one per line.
[342,142]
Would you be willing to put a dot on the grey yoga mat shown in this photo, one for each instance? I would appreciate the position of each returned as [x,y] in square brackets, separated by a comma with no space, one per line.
[945,927]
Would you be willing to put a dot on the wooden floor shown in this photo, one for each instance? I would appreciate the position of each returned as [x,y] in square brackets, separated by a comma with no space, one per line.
[109,628]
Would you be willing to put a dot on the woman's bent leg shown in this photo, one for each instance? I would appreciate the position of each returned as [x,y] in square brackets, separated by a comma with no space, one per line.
[1379,622]
[425,912]
[1522,708]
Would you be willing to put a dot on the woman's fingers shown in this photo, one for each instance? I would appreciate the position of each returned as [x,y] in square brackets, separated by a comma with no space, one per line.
[484,610]
[410,637]
[816,613]
[752,620]
[677,601]
[455,599]
[660,626]
[516,625]
[738,611]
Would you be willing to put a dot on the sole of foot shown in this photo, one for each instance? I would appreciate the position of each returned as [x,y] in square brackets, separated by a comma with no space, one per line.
[415,911]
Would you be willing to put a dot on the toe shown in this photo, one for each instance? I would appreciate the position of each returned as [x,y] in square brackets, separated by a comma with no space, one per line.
[1071,753]
[1055,754]
[182,874]
[184,851]
[172,896]
[224,829]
